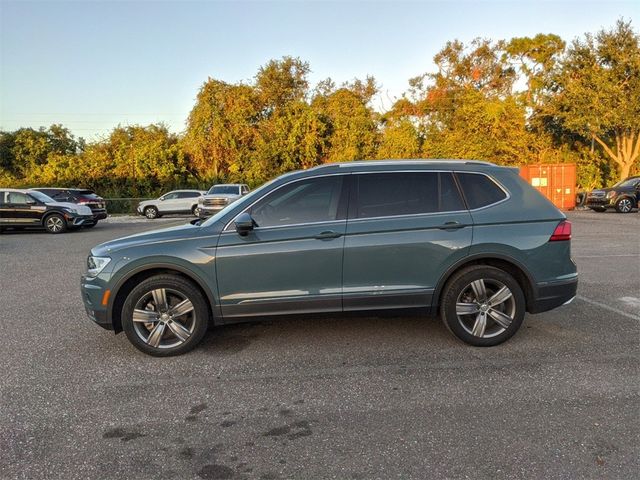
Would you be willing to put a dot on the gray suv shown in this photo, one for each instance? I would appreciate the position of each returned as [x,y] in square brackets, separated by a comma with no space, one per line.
[468,240]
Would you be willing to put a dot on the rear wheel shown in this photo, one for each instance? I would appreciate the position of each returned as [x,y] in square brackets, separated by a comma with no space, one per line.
[151,212]
[482,305]
[91,225]
[55,223]
[598,209]
[624,205]
[165,315]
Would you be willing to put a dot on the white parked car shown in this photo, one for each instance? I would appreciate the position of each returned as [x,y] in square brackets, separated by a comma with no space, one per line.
[177,201]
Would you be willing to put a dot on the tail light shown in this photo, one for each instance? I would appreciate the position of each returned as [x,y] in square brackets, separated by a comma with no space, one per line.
[562,232]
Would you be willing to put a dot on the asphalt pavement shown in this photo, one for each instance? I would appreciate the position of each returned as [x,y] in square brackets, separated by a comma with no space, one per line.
[374,397]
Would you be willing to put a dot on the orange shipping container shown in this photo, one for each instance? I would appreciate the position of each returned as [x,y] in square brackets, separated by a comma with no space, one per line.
[555,181]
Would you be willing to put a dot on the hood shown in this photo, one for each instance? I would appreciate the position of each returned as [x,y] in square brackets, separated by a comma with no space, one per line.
[81,209]
[171,233]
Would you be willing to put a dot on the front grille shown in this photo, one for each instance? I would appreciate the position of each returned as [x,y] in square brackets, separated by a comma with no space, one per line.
[596,195]
[215,202]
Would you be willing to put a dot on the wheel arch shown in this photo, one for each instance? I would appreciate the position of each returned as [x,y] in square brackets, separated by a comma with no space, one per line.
[508,264]
[52,212]
[137,275]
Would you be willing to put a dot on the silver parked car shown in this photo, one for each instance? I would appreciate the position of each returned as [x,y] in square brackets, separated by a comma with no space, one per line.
[219,196]
[177,201]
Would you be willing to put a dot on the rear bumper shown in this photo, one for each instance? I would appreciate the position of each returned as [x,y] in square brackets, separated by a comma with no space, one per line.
[99,214]
[552,295]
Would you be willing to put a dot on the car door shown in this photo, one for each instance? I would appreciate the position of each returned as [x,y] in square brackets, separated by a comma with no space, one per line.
[23,209]
[404,230]
[170,203]
[291,262]
[5,211]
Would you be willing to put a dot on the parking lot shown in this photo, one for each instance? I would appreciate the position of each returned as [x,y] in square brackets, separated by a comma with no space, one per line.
[323,397]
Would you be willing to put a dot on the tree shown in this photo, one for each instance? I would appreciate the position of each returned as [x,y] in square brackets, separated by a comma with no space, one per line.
[352,128]
[596,93]
[280,82]
[536,58]
[222,128]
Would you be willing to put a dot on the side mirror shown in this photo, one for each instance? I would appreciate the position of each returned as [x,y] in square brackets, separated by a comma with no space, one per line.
[244,224]
[161,199]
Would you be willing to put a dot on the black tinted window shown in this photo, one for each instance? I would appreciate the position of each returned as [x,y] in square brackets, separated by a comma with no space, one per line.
[306,201]
[391,194]
[480,190]
[188,194]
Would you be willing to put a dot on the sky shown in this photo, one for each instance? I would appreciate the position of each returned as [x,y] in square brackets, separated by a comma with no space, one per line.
[91,65]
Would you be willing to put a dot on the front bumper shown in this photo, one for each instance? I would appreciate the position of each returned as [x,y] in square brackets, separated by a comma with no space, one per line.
[206,212]
[78,220]
[93,296]
[551,295]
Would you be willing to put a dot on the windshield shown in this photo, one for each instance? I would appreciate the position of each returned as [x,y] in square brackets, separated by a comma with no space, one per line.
[41,196]
[225,189]
[629,182]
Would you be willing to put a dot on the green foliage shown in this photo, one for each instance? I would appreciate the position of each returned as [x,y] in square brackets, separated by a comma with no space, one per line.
[517,101]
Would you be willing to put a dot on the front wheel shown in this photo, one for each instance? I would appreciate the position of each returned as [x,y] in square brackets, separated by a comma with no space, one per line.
[165,315]
[598,209]
[91,225]
[151,213]
[482,305]
[624,205]
[55,223]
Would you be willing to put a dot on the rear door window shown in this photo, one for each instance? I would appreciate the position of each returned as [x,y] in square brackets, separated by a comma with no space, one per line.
[18,198]
[406,193]
[479,190]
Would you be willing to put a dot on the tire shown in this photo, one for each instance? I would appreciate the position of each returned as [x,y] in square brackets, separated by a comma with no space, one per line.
[194,210]
[156,336]
[55,223]
[91,225]
[151,213]
[624,205]
[599,209]
[482,325]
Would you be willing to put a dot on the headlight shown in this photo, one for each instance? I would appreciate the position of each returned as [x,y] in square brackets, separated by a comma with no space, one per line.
[96,264]
[70,210]
[612,194]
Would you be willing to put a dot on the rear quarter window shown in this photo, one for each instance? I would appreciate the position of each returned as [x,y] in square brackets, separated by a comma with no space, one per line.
[479,190]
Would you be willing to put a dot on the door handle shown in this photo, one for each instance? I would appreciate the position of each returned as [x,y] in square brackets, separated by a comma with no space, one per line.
[451,226]
[327,235]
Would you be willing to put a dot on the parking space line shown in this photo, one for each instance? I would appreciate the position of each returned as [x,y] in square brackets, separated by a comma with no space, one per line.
[611,309]
[613,255]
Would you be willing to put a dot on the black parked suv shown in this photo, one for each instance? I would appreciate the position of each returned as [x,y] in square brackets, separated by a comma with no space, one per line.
[623,196]
[30,208]
[79,196]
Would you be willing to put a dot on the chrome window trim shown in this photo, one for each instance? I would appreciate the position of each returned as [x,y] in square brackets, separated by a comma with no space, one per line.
[498,184]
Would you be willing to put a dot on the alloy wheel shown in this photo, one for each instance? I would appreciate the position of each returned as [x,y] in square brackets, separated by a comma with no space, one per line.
[485,308]
[624,205]
[164,318]
[55,224]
